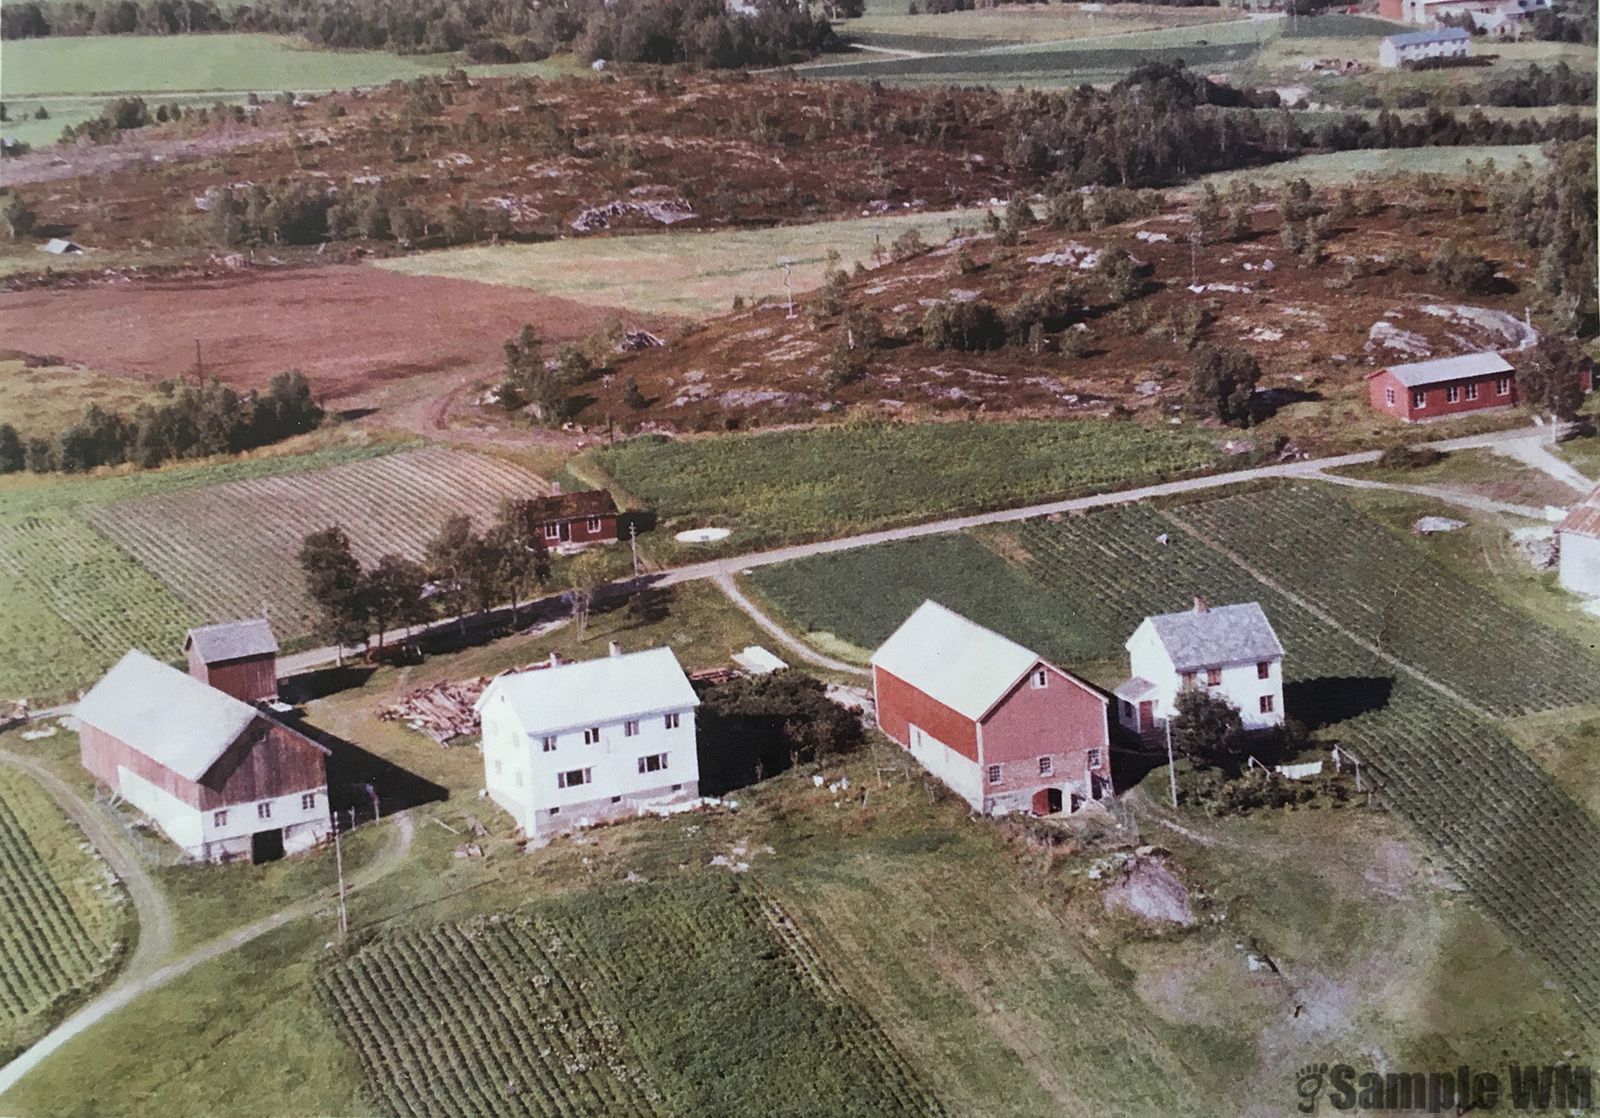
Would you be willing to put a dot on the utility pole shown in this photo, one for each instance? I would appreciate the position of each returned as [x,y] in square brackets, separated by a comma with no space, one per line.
[788,282]
[1194,256]
[338,857]
[1172,768]
[633,544]
[199,366]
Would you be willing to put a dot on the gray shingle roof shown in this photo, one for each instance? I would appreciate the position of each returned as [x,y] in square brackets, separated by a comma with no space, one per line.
[232,640]
[1222,635]
[1436,35]
[1442,369]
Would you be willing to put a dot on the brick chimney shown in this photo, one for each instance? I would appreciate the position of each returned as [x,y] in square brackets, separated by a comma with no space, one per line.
[1200,603]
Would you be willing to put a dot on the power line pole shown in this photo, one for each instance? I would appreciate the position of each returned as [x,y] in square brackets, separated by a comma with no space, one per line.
[633,544]
[1172,768]
[338,857]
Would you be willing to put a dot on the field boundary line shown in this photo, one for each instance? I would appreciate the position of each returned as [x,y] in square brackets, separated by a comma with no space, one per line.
[797,645]
[1321,615]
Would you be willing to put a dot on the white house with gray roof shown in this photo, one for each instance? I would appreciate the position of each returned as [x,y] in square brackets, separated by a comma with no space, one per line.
[581,743]
[1231,651]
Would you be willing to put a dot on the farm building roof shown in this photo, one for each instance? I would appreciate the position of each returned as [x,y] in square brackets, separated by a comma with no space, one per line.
[1422,38]
[1584,519]
[958,662]
[1134,689]
[167,715]
[1211,638]
[571,506]
[232,640]
[1443,369]
[594,692]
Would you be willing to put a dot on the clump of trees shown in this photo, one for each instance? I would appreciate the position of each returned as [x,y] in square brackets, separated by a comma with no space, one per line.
[192,422]
[1207,729]
[754,727]
[1554,212]
[544,387]
[1551,378]
[1462,270]
[1222,385]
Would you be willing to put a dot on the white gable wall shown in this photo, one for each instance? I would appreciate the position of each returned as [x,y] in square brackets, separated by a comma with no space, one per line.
[1241,685]
[180,822]
[959,773]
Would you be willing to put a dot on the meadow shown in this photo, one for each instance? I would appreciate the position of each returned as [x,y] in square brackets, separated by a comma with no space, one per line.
[831,481]
[688,274]
[65,923]
[1333,168]
[1330,581]
[974,30]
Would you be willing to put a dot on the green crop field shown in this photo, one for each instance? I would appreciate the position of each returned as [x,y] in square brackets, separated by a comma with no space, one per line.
[694,998]
[86,599]
[1344,166]
[833,480]
[111,64]
[63,920]
[1499,819]
[688,274]
[986,27]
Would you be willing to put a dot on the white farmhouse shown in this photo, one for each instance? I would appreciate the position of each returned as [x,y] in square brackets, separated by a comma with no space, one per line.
[580,743]
[1230,651]
[1578,537]
[1415,46]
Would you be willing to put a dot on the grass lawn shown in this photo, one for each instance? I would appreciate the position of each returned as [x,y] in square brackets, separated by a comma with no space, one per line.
[1480,472]
[1583,454]
[1017,24]
[830,481]
[1344,166]
[41,400]
[694,275]
[227,63]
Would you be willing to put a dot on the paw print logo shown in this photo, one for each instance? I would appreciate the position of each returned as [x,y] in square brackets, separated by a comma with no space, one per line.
[1308,1086]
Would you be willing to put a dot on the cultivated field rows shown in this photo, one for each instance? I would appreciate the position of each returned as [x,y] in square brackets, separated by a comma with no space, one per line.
[230,550]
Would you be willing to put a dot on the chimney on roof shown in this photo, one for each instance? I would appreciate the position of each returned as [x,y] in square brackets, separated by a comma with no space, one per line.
[555,489]
[555,660]
[615,649]
[1200,603]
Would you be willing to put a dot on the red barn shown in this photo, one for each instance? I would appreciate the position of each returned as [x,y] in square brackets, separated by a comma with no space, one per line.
[575,519]
[220,778]
[1005,729]
[1444,387]
[237,657]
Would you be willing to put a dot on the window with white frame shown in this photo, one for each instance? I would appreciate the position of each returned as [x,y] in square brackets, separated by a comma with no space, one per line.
[1268,702]
[1472,391]
[1041,678]
[308,801]
[552,531]
[994,774]
[630,729]
[219,819]
[572,778]
[1419,399]
[1502,387]
[653,763]
[264,811]
[1264,669]
[1452,394]
[1388,396]
[594,524]
[549,743]
[591,736]
[1092,758]
[672,721]
[1046,766]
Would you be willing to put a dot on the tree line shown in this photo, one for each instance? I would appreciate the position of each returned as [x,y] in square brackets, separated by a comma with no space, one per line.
[708,33]
[192,422]
[463,572]
[1554,212]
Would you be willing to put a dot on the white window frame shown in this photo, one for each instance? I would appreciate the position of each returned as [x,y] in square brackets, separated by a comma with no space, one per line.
[1452,393]
[1268,704]
[660,765]
[548,745]
[1047,766]
[264,809]
[1263,669]
[994,774]
[1502,386]
[1419,399]
[594,524]
[630,728]
[591,736]
[672,721]
[1091,758]
[564,778]
[219,818]
[1472,391]
[1041,679]
[1388,396]
[308,801]
[552,531]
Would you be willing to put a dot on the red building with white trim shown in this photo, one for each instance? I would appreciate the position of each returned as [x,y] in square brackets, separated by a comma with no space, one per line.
[1444,387]
[575,519]
[1004,728]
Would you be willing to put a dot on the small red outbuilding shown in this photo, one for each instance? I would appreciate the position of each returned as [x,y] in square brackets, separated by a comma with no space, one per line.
[574,519]
[1444,387]
[1005,729]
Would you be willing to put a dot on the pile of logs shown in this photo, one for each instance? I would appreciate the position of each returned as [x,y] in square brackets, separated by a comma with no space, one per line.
[442,711]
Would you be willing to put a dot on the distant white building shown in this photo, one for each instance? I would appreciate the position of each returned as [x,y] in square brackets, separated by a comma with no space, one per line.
[1414,46]
[581,743]
[1230,651]
[1578,537]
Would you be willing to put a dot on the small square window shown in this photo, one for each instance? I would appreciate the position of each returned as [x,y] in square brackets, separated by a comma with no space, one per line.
[1388,396]
[1472,391]
[672,721]
[591,736]
[994,774]
[630,729]
[1419,399]
[264,811]
[1213,677]
[308,802]
[1041,678]
[219,819]
[555,811]
[1264,670]
[653,763]
[616,799]
[1267,704]
[1046,766]
[1502,387]
[677,788]
[1188,679]
[1452,394]
[549,745]
[594,524]
[552,531]
[1092,758]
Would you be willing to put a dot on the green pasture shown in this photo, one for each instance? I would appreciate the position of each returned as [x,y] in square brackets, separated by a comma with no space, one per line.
[1331,168]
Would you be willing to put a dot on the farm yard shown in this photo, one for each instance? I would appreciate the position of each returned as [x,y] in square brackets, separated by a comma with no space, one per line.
[1350,672]
[64,923]
[792,485]
[648,1000]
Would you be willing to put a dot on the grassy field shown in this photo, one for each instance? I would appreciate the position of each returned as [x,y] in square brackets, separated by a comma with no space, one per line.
[113,64]
[980,28]
[1308,554]
[1333,168]
[65,922]
[42,399]
[690,274]
[834,480]
[86,599]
